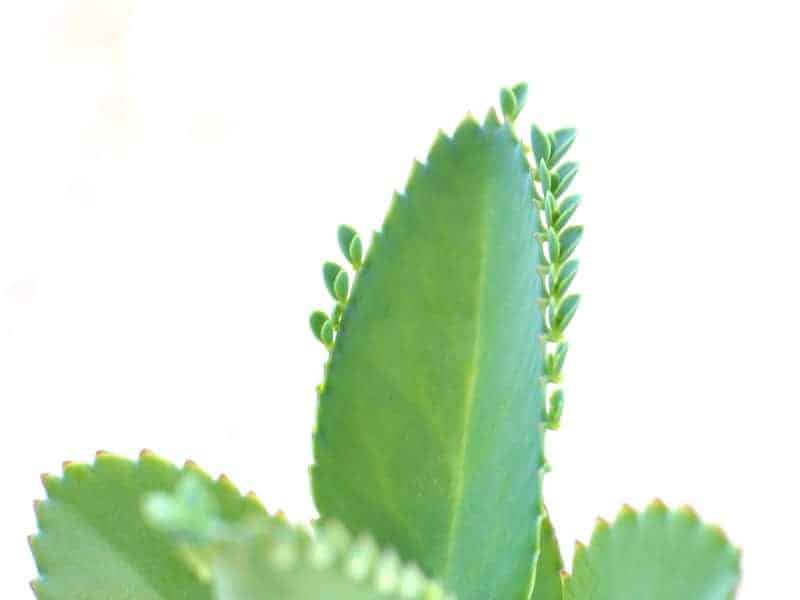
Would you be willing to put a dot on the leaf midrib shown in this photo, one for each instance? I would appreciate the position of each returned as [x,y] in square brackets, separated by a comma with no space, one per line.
[472,378]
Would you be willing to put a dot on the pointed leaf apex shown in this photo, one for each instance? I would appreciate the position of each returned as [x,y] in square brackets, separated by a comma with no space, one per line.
[657,506]
[491,120]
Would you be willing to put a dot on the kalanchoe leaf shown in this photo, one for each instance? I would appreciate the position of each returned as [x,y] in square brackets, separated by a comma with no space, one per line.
[554,181]
[552,138]
[520,91]
[569,240]
[345,235]
[562,142]
[553,246]
[540,144]
[355,252]
[544,177]
[326,333]
[566,275]
[659,554]
[508,103]
[565,210]
[459,242]
[566,173]
[341,286]
[550,209]
[555,408]
[93,542]
[350,245]
[330,271]
[317,320]
[560,356]
[565,312]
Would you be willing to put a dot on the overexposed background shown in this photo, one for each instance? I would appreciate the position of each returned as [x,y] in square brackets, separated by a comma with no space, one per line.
[172,175]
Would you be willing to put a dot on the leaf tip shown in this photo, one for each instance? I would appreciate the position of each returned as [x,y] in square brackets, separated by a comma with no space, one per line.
[689,513]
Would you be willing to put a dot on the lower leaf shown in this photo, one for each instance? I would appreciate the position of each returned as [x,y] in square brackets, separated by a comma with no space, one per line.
[656,555]
[93,543]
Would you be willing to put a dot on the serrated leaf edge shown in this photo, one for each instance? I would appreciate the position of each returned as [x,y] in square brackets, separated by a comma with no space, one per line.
[628,515]
[77,470]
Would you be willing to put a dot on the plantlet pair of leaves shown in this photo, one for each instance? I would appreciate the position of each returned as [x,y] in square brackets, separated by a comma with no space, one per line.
[445,351]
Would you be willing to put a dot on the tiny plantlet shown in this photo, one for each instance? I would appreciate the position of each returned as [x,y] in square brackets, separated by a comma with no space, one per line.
[446,346]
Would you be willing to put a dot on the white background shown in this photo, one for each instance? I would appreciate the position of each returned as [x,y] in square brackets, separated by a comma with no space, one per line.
[172,175]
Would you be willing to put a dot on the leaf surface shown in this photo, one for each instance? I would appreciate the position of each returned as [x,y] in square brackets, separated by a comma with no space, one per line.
[93,543]
[429,422]
[658,555]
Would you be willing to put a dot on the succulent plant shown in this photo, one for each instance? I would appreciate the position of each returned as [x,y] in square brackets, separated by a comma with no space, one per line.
[445,354]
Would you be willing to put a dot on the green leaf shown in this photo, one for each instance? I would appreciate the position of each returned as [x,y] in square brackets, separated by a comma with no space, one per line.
[565,173]
[562,142]
[326,333]
[566,310]
[555,409]
[341,285]
[540,144]
[93,542]
[566,274]
[565,210]
[547,584]
[330,271]
[555,363]
[553,247]
[550,209]
[430,415]
[544,177]
[350,245]
[658,555]
[318,319]
[508,103]
[521,96]
[568,240]
[345,235]
[355,252]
